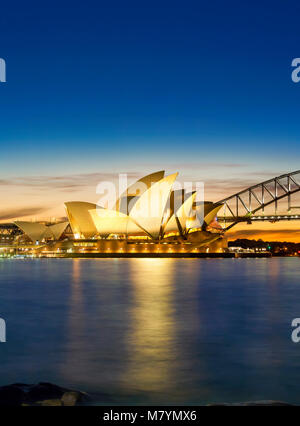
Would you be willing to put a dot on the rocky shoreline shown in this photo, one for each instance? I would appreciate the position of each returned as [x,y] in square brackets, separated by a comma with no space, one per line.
[41,394]
[48,394]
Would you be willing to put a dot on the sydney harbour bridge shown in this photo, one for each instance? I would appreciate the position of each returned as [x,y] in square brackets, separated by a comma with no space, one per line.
[276,199]
[272,200]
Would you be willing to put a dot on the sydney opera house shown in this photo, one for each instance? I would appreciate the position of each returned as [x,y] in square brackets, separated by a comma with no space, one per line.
[150,218]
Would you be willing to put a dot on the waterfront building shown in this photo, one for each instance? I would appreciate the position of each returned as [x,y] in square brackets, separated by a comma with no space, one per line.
[149,218]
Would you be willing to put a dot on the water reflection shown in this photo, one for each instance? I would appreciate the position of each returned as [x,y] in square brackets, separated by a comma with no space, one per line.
[76,324]
[151,338]
[154,330]
[76,299]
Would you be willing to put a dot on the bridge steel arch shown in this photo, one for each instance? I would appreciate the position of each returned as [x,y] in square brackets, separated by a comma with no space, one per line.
[243,205]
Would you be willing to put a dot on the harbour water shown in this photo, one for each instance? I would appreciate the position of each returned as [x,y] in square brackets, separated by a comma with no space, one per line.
[153,330]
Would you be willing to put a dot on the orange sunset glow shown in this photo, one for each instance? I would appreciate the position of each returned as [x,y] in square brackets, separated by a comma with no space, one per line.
[42,198]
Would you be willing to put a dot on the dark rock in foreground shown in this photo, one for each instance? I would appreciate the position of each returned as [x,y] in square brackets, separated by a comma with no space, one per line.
[48,394]
[44,394]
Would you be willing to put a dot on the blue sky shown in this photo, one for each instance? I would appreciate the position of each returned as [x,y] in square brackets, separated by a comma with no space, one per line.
[134,86]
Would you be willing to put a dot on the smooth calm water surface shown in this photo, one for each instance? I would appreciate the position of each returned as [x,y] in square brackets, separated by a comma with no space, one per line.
[153,330]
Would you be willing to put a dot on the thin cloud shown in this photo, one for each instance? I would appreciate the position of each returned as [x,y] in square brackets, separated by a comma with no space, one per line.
[205,166]
[64,183]
[21,212]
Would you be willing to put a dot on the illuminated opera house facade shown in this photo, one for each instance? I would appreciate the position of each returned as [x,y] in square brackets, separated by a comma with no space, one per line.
[150,218]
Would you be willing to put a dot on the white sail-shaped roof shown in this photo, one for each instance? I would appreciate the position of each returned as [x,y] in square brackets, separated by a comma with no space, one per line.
[206,212]
[80,219]
[113,222]
[209,217]
[35,231]
[57,229]
[39,231]
[134,191]
[149,209]
[183,214]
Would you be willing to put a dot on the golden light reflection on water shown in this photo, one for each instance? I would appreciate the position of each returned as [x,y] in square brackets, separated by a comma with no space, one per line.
[76,271]
[166,330]
[151,338]
[75,326]
[125,325]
